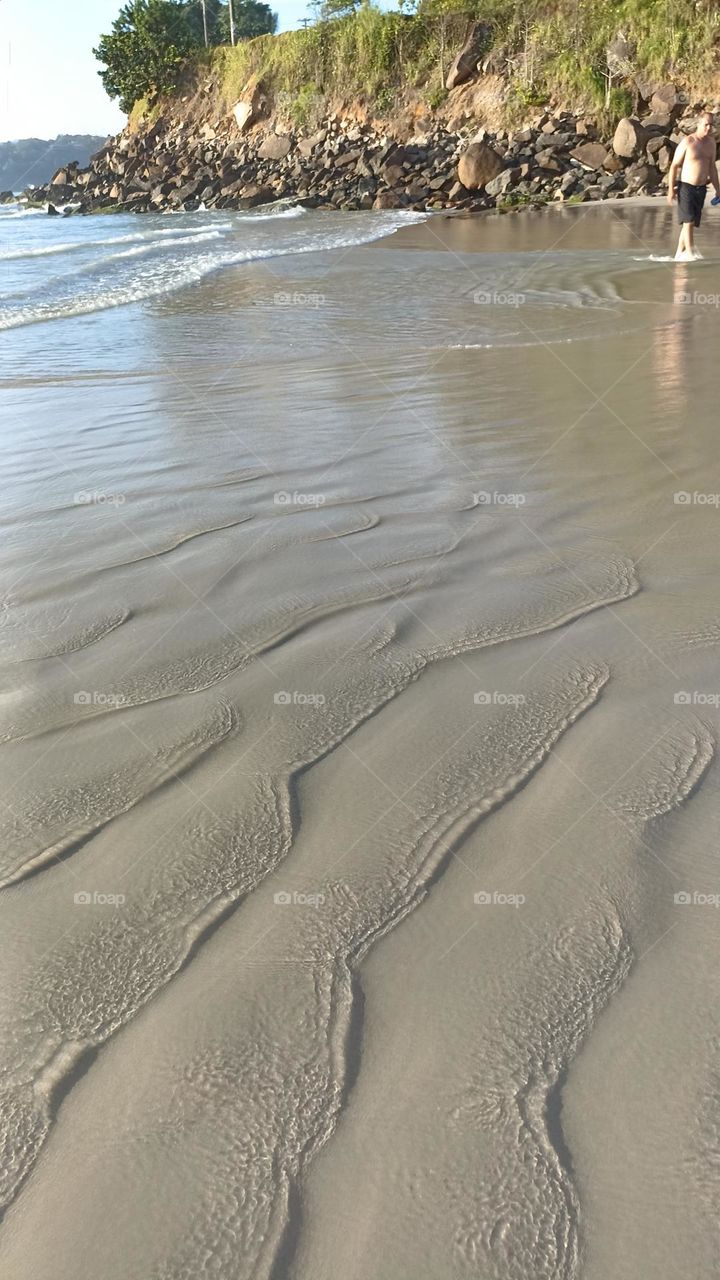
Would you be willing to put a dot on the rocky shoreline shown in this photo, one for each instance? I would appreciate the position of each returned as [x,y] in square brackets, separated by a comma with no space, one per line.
[246,159]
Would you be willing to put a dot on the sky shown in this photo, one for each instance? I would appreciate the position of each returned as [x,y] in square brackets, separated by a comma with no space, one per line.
[49,81]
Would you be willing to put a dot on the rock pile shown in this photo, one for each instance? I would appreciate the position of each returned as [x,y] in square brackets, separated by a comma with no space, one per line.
[243,161]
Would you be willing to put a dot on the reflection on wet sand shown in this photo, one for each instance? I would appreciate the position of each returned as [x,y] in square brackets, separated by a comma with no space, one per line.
[359,729]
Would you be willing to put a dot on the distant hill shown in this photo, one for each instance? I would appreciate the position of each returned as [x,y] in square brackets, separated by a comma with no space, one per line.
[35,160]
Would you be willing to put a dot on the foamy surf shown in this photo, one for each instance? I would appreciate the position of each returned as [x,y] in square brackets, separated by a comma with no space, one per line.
[87,245]
[173,259]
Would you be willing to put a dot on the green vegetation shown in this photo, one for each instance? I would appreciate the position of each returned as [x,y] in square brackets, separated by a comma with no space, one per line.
[145,51]
[545,50]
[304,108]
[519,200]
[582,52]
[370,53]
[151,40]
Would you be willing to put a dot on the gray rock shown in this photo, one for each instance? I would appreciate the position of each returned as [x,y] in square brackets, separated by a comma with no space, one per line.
[547,159]
[465,64]
[642,176]
[659,122]
[667,99]
[393,173]
[612,163]
[252,105]
[629,139]
[349,158]
[387,200]
[478,165]
[656,144]
[275,147]
[591,155]
[499,185]
[306,146]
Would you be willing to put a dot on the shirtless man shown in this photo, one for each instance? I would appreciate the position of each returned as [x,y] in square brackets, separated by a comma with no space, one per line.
[694,160]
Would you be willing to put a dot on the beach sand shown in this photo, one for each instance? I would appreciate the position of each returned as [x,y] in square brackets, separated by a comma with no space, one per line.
[360,707]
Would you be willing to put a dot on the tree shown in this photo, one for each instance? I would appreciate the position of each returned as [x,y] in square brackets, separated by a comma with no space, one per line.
[205,18]
[245,19]
[145,50]
[326,10]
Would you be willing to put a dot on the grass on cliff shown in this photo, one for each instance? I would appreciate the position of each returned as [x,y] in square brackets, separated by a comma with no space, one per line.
[545,49]
[369,53]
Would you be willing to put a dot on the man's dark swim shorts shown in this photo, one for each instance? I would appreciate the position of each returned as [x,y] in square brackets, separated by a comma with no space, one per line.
[690,202]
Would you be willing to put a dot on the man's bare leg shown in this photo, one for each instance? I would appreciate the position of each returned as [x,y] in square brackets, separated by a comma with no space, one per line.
[690,241]
[685,243]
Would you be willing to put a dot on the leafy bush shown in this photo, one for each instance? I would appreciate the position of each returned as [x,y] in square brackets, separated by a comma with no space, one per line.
[145,51]
[305,107]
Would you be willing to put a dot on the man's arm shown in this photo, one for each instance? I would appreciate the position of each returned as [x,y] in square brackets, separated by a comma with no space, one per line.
[712,170]
[675,168]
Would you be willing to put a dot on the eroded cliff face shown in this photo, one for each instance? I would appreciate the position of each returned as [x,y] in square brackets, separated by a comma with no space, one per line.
[197,149]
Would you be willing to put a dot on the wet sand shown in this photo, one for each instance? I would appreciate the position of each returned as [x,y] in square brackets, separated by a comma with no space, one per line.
[359,718]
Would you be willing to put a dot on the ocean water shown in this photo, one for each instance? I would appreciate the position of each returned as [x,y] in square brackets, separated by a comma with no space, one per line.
[359,713]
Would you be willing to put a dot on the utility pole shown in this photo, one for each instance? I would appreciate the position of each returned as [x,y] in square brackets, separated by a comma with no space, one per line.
[232,21]
[204,14]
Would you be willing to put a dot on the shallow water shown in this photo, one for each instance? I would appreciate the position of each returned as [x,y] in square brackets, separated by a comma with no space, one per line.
[359,718]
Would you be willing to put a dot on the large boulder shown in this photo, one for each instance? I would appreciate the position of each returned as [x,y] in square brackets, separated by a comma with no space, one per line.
[478,165]
[667,99]
[659,122]
[630,139]
[275,147]
[465,65]
[251,105]
[254,195]
[591,155]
